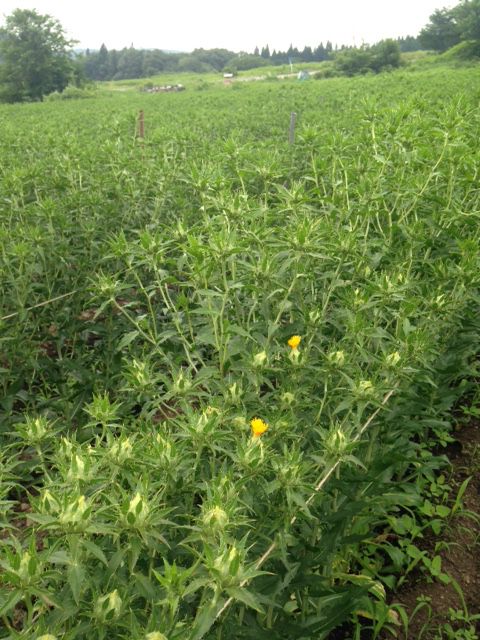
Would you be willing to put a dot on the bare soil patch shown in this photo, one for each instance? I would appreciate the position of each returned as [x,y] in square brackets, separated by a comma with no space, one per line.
[461,555]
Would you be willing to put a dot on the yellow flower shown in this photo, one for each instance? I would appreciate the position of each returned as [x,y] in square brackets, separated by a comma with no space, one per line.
[294,342]
[258,427]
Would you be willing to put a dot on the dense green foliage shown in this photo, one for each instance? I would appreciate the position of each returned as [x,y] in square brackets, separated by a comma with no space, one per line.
[34,57]
[448,27]
[384,55]
[136,63]
[187,260]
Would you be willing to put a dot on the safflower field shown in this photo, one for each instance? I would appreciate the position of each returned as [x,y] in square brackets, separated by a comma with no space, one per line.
[227,361]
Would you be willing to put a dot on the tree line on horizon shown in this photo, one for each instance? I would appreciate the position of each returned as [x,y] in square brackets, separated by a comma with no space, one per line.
[36,59]
[129,63]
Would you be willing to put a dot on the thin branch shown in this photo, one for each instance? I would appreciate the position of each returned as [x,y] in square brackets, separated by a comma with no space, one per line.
[40,304]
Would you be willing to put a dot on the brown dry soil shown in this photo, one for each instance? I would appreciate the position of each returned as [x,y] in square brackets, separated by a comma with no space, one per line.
[460,557]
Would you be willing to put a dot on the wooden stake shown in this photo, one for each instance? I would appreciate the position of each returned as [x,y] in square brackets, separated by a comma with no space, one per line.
[293,120]
[141,125]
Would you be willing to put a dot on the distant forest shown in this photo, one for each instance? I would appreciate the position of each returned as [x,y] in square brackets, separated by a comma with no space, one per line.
[131,63]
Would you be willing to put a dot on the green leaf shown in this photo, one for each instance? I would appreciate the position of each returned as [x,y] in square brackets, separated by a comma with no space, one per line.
[60,557]
[442,510]
[76,578]
[145,587]
[241,594]
[205,618]
[436,566]
[127,339]
[95,551]
[12,600]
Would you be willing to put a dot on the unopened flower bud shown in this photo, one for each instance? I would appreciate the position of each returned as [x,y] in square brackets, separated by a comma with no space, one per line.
[259,359]
[288,398]
[393,359]
[215,518]
[337,357]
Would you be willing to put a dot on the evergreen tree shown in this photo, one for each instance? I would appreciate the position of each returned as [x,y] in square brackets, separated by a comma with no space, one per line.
[320,54]
[265,53]
[102,64]
[408,43]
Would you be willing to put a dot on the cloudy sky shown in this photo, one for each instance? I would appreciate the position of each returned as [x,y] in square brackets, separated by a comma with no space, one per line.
[241,25]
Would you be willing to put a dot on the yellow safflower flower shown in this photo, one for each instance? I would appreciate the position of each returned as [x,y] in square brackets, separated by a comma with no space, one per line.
[258,427]
[294,342]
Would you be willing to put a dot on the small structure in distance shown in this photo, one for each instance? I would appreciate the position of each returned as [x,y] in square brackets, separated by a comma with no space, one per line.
[303,75]
[169,88]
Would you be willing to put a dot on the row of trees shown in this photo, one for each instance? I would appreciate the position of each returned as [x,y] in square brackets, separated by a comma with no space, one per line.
[138,63]
[36,59]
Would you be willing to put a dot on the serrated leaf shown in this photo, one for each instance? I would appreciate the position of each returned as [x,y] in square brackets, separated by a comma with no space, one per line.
[76,578]
[95,551]
[12,600]
[245,596]
[205,618]
[126,340]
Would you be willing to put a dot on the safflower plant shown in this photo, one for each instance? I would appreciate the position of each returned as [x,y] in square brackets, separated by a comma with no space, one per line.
[220,425]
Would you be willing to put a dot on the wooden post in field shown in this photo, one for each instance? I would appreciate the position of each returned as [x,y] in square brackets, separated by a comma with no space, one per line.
[141,125]
[293,120]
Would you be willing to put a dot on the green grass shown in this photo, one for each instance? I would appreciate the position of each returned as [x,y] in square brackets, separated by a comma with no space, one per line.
[204,80]
[187,261]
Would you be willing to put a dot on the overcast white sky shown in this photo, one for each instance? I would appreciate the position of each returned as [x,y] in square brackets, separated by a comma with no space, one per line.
[240,25]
